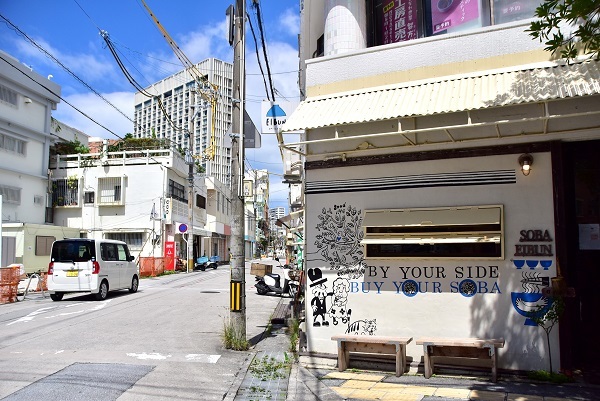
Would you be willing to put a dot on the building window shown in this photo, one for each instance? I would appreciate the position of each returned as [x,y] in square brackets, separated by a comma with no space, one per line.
[88,197]
[440,233]
[65,192]
[392,21]
[8,96]
[12,144]
[110,191]
[134,240]
[177,191]
[200,201]
[43,245]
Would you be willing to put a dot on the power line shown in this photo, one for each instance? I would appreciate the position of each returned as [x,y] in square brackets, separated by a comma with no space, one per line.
[61,98]
[64,67]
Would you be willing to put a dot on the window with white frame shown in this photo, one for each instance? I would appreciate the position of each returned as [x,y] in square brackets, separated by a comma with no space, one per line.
[465,232]
[133,240]
[110,191]
[8,96]
[12,144]
[65,192]
[10,194]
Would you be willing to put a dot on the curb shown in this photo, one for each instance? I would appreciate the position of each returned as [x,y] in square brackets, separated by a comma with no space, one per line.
[239,377]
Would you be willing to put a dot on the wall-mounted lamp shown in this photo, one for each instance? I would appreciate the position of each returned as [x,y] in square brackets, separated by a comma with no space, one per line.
[27,100]
[526,160]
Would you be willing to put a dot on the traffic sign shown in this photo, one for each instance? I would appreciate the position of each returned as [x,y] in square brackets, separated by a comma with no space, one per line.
[183,228]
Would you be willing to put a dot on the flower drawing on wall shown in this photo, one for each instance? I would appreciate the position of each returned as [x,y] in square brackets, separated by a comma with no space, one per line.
[338,240]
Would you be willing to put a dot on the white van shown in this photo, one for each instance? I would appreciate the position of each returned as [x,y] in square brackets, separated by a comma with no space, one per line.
[87,265]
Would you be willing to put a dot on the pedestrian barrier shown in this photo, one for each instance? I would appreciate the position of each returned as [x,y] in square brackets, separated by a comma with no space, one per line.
[152,266]
[9,282]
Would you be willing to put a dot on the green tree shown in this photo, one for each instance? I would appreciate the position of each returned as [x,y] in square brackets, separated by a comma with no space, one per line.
[568,25]
[548,320]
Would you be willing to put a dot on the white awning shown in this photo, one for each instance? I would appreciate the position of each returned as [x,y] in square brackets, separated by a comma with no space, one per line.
[448,94]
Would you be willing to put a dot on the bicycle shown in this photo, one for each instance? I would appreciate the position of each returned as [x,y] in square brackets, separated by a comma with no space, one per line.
[40,285]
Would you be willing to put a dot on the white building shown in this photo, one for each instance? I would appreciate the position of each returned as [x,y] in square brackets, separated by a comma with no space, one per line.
[140,197]
[451,177]
[26,102]
[175,96]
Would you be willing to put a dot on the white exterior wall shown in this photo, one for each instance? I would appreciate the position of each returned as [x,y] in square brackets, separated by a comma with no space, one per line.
[29,121]
[439,309]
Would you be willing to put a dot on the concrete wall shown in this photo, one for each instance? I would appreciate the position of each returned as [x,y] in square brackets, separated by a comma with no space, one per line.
[376,300]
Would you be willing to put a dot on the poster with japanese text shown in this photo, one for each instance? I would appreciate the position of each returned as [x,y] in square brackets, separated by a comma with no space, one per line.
[399,21]
[447,14]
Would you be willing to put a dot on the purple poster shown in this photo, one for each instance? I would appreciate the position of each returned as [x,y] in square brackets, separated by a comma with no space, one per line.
[399,21]
[446,14]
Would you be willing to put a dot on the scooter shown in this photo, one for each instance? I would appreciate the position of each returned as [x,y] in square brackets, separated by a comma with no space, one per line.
[204,262]
[272,283]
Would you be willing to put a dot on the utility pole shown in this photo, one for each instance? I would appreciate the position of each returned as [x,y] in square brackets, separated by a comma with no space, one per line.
[189,160]
[237,314]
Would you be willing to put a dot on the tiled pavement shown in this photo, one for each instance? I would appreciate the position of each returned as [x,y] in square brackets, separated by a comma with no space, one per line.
[370,386]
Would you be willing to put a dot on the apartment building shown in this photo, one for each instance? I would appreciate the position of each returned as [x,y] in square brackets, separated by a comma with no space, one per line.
[178,108]
[451,183]
[136,196]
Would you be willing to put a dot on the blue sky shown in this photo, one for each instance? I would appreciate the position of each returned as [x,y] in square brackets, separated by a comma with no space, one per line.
[69,30]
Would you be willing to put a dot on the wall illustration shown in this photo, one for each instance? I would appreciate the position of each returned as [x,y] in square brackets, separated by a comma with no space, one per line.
[338,240]
[339,311]
[339,233]
[531,302]
[363,327]
[320,294]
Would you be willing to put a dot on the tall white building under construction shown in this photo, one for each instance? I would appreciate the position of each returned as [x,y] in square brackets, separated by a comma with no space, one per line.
[176,100]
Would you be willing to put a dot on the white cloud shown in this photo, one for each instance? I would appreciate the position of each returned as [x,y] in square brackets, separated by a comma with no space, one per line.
[100,111]
[290,20]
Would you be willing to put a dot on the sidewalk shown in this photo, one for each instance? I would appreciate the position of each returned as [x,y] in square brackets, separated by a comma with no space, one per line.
[267,377]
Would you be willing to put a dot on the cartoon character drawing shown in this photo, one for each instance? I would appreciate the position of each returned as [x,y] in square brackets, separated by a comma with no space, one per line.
[339,311]
[363,327]
[320,294]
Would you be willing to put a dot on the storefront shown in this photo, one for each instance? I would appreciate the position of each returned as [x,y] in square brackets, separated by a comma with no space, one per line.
[470,224]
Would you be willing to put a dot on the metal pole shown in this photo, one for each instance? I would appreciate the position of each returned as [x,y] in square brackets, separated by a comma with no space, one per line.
[238,280]
[190,161]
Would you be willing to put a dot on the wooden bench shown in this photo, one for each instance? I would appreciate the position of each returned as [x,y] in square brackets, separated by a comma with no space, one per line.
[435,347]
[371,345]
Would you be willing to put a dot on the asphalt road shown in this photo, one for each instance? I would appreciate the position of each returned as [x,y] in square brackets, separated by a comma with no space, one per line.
[162,342]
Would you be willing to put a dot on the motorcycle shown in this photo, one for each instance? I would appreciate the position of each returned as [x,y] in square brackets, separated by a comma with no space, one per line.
[204,262]
[272,283]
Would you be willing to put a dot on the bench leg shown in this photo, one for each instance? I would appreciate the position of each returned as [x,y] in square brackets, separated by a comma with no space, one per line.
[400,359]
[494,357]
[343,356]
[428,368]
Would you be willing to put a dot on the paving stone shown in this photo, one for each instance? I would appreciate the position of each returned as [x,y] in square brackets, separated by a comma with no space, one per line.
[368,394]
[486,395]
[524,397]
[358,384]
[419,390]
[452,393]
[341,375]
[401,397]
[388,386]
[343,391]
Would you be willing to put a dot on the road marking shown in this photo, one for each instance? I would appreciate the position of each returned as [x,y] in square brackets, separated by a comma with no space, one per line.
[152,355]
[157,356]
[202,358]
[31,316]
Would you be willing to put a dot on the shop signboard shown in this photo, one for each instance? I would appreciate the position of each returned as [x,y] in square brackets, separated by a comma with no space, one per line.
[169,255]
[448,14]
[398,21]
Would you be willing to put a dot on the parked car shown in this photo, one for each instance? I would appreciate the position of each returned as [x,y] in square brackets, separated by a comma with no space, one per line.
[88,265]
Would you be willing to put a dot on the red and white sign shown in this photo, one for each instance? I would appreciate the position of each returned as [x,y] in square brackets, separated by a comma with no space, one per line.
[169,255]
